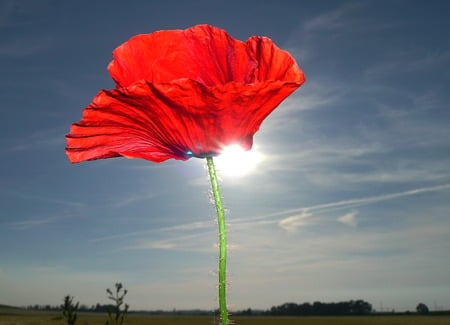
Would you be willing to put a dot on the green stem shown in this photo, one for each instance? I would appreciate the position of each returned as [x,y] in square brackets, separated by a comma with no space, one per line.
[222,241]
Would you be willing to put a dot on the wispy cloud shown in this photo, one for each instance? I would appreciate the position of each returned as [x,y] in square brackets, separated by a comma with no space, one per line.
[297,217]
[45,138]
[344,252]
[400,61]
[132,199]
[24,195]
[298,214]
[334,19]
[404,172]
[336,23]
[294,222]
[165,232]
[311,155]
[202,181]
[31,223]
[313,95]
[198,242]
[190,226]
[349,219]
[161,244]
[379,198]
[123,235]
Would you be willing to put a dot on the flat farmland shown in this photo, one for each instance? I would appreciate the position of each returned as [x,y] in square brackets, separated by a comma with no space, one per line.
[97,319]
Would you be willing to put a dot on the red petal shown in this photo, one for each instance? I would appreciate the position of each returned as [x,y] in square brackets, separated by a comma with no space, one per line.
[203,53]
[184,93]
[158,122]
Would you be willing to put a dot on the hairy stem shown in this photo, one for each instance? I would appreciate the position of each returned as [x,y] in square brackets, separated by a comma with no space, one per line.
[222,241]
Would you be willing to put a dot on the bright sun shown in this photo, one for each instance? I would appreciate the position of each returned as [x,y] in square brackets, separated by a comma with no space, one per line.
[235,161]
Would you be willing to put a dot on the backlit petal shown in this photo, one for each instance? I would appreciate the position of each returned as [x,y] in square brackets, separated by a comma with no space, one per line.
[184,93]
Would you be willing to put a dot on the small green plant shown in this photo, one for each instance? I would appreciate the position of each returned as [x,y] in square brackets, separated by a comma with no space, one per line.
[69,310]
[117,297]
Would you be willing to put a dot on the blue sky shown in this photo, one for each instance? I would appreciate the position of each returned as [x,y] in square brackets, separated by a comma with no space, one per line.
[351,200]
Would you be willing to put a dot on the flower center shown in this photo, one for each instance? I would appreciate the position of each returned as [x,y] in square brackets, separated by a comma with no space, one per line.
[190,154]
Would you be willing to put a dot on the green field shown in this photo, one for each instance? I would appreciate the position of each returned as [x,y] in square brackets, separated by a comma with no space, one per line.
[90,319]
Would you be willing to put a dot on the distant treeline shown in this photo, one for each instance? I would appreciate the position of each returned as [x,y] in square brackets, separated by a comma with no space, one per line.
[352,307]
[98,308]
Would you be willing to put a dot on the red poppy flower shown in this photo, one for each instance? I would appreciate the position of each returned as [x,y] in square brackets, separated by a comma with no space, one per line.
[184,93]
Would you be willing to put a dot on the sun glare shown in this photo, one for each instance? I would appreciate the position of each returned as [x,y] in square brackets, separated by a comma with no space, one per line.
[235,161]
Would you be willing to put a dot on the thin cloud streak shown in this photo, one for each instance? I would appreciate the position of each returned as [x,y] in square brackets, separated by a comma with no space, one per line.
[332,20]
[123,235]
[196,242]
[301,213]
[293,222]
[27,224]
[40,198]
[171,229]
[48,139]
[348,203]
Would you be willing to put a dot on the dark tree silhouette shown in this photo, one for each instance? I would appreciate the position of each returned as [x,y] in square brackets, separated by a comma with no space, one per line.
[422,309]
[352,307]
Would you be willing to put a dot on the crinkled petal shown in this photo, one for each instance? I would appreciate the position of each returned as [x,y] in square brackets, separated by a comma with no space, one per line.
[203,53]
[174,120]
[184,93]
